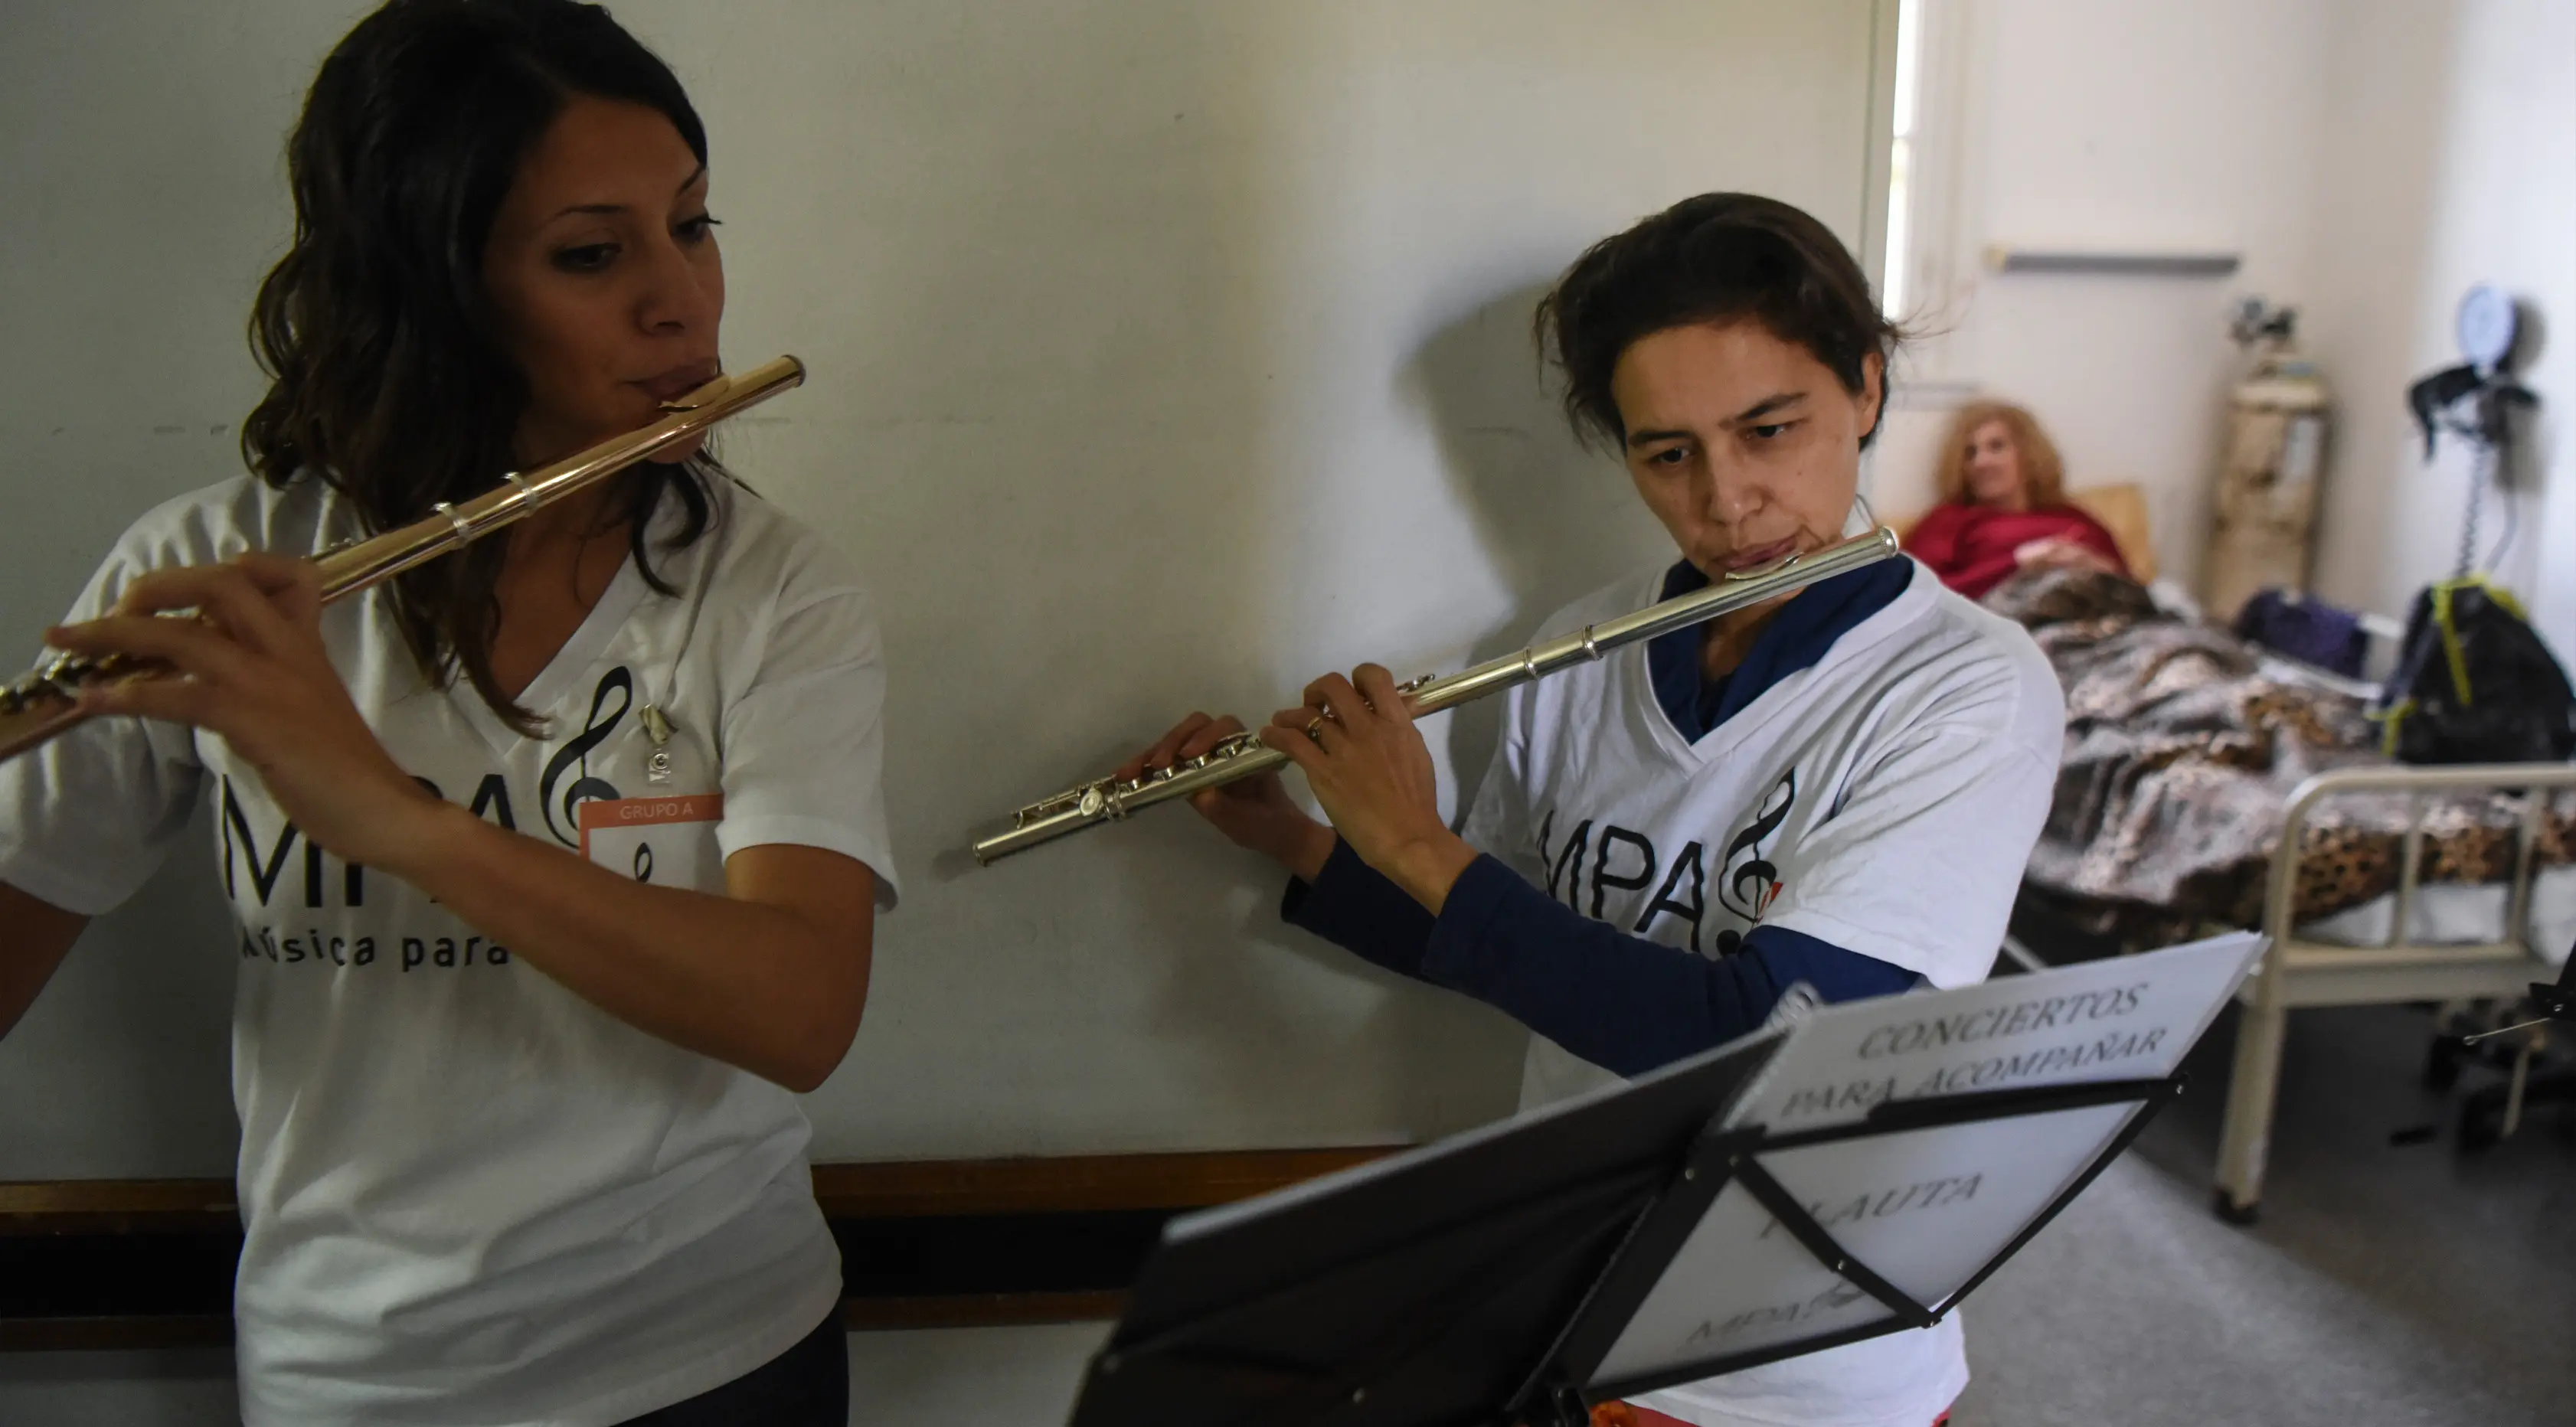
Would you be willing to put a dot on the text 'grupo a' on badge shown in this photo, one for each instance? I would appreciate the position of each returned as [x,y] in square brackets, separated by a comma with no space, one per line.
[668,842]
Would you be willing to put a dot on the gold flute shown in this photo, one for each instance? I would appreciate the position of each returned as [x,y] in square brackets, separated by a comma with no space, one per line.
[1242,755]
[47,701]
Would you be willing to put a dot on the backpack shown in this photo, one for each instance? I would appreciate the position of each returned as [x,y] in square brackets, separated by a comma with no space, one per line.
[2474,683]
[2309,630]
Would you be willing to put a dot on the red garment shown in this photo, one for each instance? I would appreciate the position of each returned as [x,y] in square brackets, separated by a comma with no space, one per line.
[1971,546]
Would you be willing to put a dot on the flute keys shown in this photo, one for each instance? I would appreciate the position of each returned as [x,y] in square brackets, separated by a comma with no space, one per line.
[1060,803]
[1233,745]
[60,677]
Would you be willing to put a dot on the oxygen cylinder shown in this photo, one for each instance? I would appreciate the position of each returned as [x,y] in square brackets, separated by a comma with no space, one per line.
[2263,524]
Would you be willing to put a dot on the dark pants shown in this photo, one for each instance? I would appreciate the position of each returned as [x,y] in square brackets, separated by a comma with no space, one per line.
[806,1386]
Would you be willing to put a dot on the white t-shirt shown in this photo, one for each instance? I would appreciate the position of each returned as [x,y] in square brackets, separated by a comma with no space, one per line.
[469,1195]
[1883,800]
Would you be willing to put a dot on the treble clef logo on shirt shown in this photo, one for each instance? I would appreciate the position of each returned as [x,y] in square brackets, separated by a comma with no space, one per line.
[576,754]
[1748,887]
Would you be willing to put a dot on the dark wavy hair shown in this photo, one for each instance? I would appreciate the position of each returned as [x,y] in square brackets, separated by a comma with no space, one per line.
[389,377]
[1718,257]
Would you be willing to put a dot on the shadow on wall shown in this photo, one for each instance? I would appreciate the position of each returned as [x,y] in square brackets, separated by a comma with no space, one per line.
[1558,521]
[1078,310]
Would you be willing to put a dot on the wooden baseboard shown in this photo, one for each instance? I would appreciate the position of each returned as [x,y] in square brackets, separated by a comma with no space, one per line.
[118,1206]
[889,1189]
[925,1243]
[858,1315]
[94,1334]
[1071,1184]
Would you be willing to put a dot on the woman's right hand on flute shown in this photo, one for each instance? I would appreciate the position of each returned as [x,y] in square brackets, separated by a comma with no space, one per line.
[1253,812]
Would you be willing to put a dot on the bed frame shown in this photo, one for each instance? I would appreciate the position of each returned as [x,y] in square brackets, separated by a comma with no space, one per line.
[2296,973]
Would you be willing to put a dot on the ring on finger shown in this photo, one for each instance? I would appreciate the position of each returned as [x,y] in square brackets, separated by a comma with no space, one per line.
[1315,728]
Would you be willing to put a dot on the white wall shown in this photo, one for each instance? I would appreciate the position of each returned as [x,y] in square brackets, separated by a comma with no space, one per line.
[145,146]
[1165,355]
[2370,158]
[2111,124]
[2450,160]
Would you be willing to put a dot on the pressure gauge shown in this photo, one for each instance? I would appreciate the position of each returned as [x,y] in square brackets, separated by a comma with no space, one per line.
[2486,327]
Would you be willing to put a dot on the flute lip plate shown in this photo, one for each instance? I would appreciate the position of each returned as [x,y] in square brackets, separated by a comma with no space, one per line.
[711,391]
[1775,567]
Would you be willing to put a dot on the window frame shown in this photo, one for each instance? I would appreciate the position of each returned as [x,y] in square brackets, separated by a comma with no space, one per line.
[1939,276]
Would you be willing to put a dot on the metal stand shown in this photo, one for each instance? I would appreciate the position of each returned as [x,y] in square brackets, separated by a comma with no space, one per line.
[1721,1158]
[1323,1312]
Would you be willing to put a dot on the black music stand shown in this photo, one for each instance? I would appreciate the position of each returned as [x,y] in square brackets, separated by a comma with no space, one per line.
[1491,1278]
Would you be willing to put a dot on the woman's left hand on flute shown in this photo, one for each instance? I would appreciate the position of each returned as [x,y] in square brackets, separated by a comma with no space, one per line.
[1371,771]
[771,976]
[251,668]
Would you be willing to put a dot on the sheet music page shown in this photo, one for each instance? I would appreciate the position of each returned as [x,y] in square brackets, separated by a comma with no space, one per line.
[1925,1210]
[1928,1208]
[1739,1285]
[2126,1018]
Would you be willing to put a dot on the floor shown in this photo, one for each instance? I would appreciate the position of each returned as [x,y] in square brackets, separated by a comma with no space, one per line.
[2388,1285]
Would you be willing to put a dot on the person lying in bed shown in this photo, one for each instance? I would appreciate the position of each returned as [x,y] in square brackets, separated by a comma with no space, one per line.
[2003,507]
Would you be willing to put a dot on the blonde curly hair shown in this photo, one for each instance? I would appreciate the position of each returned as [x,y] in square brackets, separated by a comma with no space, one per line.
[2043,473]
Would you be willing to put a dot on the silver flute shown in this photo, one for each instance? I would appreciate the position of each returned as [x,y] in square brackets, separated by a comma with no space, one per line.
[47,701]
[1243,755]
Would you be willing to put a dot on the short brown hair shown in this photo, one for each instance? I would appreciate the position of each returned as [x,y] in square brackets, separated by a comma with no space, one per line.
[1718,257]
[2043,475]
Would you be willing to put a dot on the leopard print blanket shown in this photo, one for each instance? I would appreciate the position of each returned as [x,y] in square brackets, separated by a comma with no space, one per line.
[2180,756]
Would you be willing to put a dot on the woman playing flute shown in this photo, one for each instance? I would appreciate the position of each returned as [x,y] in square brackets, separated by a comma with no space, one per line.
[1836,788]
[556,861]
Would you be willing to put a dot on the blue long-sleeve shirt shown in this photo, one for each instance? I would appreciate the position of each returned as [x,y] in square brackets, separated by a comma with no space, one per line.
[1619,1001]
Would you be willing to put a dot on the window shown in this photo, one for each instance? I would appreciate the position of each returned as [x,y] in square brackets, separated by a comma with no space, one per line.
[1906,106]
[1923,281]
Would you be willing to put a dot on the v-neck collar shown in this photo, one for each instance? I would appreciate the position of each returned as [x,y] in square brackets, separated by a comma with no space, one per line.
[1860,618]
[589,640]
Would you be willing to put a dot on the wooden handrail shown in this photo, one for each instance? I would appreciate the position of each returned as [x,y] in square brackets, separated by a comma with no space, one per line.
[118,1206]
[858,1195]
[889,1189]
[909,1189]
